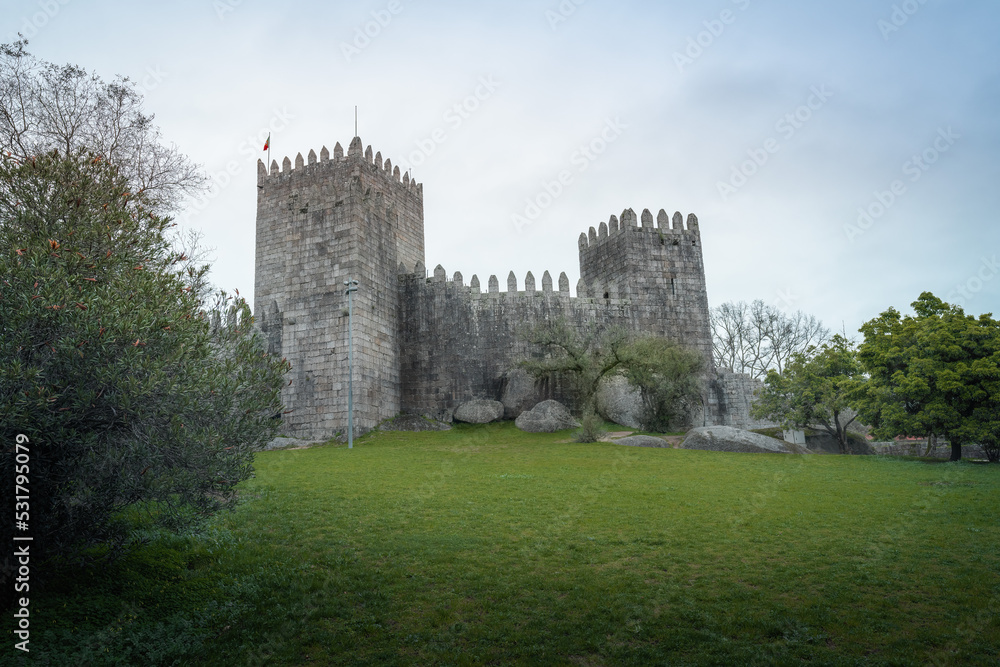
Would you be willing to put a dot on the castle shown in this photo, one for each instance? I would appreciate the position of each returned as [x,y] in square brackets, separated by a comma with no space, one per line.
[424,345]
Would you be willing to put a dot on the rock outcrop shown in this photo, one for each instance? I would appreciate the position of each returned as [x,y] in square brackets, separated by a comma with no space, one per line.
[621,403]
[729,439]
[412,423]
[518,392]
[546,417]
[642,441]
[479,411]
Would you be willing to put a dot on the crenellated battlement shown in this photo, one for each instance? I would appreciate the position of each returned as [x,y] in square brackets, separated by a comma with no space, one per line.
[440,278]
[621,290]
[616,280]
[629,222]
[323,166]
[647,260]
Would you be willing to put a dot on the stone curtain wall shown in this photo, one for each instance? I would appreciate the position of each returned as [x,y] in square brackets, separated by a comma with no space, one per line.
[318,224]
[457,342]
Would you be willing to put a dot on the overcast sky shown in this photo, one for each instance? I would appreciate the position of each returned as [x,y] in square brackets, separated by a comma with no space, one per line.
[778,123]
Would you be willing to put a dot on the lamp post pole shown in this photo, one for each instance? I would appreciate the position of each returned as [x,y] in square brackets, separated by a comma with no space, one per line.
[352,287]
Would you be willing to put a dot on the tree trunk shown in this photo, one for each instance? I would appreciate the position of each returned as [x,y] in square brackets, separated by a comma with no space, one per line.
[956,451]
[841,433]
[842,440]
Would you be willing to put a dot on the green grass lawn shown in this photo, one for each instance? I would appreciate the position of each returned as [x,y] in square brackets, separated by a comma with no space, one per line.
[485,545]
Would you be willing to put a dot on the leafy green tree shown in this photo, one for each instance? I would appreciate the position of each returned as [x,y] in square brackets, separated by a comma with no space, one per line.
[584,361]
[667,374]
[991,447]
[669,377]
[814,390]
[136,405]
[937,371]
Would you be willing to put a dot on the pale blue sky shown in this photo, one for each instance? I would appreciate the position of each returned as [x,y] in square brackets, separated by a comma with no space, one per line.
[219,73]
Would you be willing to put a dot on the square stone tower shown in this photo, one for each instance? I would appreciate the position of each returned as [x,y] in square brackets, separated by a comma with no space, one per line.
[658,266]
[318,224]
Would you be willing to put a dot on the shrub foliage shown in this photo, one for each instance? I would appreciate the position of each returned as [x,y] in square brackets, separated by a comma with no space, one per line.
[814,391]
[134,398]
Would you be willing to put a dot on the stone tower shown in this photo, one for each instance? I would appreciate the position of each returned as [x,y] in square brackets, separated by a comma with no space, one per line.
[658,267]
[318,224]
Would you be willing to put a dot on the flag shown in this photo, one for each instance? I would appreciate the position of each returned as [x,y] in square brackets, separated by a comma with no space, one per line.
[267,144]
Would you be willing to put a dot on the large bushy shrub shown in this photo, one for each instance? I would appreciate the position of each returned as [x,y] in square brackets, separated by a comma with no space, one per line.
[134,398]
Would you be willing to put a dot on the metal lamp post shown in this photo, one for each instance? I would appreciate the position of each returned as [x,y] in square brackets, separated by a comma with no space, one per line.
[352,287]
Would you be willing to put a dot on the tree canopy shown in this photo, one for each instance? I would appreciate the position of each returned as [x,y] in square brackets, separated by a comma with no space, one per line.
[935,372]
[814,390]
[669,377]
[667,374]
[584,361]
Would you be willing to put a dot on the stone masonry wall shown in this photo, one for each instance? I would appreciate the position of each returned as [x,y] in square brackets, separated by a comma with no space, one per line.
[319,224]
[730,396]
[457,341]
[660,267]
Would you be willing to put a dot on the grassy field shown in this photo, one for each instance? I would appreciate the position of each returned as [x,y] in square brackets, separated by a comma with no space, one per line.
[485,545]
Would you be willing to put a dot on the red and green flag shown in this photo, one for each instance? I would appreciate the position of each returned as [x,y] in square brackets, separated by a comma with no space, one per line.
[267,144]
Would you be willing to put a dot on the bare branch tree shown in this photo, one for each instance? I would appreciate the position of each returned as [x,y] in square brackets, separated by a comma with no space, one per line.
[753,338]
[728,333]
[45,107]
